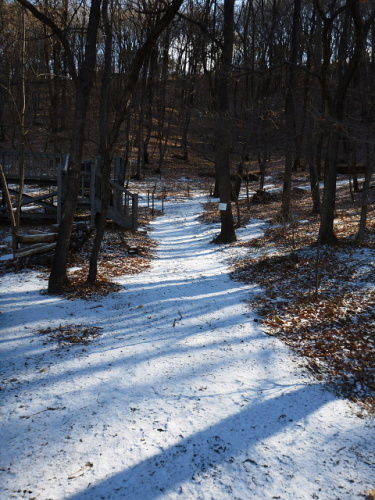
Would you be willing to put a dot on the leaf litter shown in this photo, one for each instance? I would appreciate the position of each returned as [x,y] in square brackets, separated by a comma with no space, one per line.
[71,334]
[321,304]
[328,443]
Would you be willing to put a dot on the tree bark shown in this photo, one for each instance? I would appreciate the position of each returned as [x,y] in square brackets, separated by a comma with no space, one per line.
[83,81]
[336,107]
[13,223]
[326,232]
[222,130]
[104,153]
[290,112]
[108,138]
[364,206]
[58,277]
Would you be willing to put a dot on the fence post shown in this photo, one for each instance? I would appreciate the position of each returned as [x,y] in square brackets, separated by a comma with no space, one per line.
[94,165]
[61,186]
[153,201]
[134,211]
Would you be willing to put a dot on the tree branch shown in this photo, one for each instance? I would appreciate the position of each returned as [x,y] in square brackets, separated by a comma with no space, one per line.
[56,31]
[139,60]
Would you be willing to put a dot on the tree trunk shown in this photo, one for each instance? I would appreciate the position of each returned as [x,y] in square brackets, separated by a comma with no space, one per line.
[222,130]
[22,116]
[13,223]
[108,138]
[336,108]
[58,277]
[105,165]
[326,232]
[290,111]
[366,186]
[314,185]
[238,179]
[100,229]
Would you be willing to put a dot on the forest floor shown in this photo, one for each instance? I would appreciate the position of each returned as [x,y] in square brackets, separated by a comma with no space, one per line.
[319,301]
[164,385]
[161,382]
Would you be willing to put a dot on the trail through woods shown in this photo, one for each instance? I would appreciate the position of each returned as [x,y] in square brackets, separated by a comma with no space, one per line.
[177,394]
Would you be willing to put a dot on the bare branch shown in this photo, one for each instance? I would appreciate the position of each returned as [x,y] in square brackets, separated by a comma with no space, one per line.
[56,30]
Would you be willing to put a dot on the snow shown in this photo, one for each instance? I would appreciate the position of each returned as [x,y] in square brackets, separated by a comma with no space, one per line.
[8,256]
[182,396]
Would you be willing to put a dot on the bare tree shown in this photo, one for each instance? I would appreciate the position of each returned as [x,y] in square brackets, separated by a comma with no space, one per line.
[109,136]
[335,101]
[83,81]
[290,110]
[365,193]
[222,129]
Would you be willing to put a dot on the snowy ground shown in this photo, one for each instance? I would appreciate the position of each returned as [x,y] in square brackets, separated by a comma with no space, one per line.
[182,396]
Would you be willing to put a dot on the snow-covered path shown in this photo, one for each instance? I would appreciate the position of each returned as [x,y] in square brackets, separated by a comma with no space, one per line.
[181,397]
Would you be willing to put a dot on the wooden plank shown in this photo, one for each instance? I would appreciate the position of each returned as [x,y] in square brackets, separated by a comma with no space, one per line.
[120,210]
[27,199]
[8,201]
[54,230]
[120,188]
[37,238]
[34,216]
[34,180]
[119,218]
[34,250]
[40,167]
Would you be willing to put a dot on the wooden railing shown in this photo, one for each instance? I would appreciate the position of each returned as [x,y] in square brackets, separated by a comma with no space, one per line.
[50,169]
[123,208]
[39,168]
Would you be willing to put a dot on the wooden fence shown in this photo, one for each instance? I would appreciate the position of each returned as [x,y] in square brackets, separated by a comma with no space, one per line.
[49,172]
[123,207]
[40,169]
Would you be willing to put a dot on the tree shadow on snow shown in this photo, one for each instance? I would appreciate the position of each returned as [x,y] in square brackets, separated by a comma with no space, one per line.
[233,440]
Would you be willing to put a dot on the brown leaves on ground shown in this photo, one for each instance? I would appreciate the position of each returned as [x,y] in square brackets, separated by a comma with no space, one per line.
[71,334]
[336,333]
[321,305]
[78,288]
[123,252]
